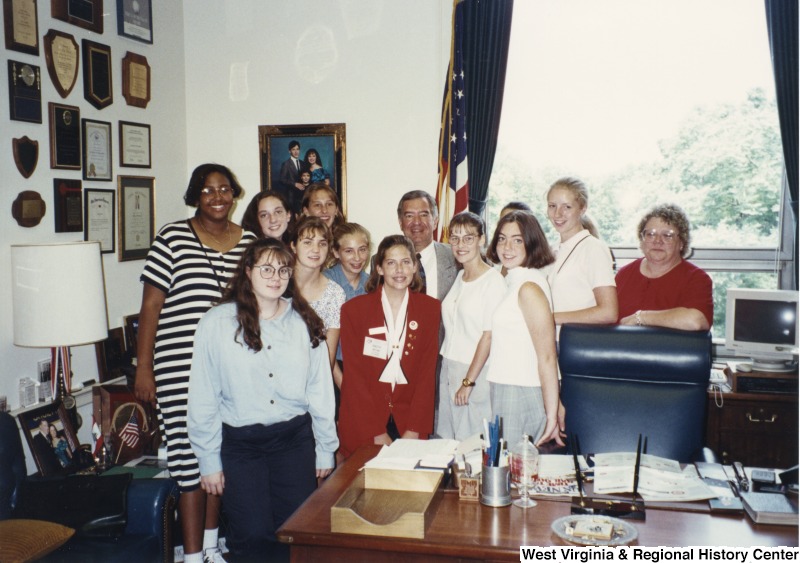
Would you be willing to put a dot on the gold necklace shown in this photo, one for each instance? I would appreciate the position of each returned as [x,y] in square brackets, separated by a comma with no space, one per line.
[227,231]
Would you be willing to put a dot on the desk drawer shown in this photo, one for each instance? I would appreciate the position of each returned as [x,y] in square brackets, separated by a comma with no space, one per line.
[760,416]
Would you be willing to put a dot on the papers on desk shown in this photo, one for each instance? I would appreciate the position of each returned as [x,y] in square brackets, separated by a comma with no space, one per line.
[557,476]
[660,479]
[415,454]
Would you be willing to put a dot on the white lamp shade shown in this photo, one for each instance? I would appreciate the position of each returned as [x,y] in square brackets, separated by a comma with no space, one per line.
[59,295]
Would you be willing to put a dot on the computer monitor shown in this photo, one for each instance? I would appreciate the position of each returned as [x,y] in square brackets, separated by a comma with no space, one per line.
[762,324]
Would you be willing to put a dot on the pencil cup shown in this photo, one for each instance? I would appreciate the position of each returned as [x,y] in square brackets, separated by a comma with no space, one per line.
[495,486]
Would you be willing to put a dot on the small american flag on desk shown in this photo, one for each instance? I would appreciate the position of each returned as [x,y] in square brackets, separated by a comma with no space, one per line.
[130,432]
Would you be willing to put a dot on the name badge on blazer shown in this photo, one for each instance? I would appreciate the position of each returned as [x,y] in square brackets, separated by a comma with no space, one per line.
[376,348]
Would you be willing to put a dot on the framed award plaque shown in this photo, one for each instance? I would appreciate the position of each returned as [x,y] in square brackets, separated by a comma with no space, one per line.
[96,150]
[97,74]
[24,92]
[135,19]
[61,55]
[67,202]
[21,26]
[87,14]
[136,216]
[134,144]
[135,80]
[65,136]
[98,218]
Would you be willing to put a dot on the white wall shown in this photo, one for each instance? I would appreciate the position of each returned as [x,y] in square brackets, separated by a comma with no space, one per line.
[375,65]
[167,118]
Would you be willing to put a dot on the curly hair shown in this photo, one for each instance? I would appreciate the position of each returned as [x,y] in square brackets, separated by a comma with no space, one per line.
[250,220]
[375,279]
[198,181]
[675,217]
[537,249]
[240,291]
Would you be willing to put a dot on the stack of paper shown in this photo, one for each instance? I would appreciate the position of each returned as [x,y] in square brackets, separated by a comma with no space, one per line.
[415,454]
[660,479]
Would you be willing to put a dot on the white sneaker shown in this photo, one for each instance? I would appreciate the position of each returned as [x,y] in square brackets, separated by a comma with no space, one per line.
[213,555]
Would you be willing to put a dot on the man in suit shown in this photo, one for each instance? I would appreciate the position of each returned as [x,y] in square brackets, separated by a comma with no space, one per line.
[43,450]
[290,182]
[419,217]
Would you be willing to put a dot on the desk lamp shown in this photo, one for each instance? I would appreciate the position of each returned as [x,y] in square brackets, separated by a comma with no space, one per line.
[58,301]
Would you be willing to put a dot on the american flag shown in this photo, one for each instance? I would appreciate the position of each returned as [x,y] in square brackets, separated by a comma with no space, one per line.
[130,432]
[452,194]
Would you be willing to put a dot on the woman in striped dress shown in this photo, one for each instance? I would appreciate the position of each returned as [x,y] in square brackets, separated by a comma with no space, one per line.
[186,271]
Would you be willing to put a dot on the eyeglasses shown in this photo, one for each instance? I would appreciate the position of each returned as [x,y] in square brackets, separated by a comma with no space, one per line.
[222,190]
[268,272]
[651,236]
[466,239]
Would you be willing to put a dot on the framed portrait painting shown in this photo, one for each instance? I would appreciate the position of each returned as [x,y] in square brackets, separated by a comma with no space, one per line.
[51,439]
[320,153]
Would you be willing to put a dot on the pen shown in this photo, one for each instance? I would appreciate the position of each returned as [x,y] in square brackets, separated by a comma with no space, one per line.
[741,476]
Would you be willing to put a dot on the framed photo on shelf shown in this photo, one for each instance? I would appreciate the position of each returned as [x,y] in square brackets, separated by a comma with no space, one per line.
[97,89]
[51,438]
[327,140]
[131,323]
[134,144]
[135,20]
[110,355]
[65,136]
[21,26]
[98,218]
[87,14]
[136,216]
[97,150]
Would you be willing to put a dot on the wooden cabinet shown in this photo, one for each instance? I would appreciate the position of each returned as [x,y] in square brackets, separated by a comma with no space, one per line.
[758,429]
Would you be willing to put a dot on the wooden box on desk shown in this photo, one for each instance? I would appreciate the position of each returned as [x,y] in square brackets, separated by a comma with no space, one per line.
[387,502]
[115,406]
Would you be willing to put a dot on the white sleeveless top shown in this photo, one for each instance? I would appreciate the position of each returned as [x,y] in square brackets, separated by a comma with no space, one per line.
[512,358]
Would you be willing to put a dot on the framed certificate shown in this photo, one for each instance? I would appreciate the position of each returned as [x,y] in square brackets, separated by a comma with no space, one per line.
[136,216]
[135,19]
[135,80]
[134,144]
[98,218]
[65,136]
[61,55]
[68,213]
[21,26]
[24,92]
[96,150]
[87,14]
[97,88]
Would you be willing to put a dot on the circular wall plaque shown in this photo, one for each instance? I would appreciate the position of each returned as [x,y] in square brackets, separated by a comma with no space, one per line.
[28,209]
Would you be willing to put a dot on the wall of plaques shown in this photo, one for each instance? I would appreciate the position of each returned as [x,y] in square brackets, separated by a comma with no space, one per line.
[75,139]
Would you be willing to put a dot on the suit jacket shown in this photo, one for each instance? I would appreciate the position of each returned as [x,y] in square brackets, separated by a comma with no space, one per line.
[446,270]
[45,455]
[290,175]
[366,403]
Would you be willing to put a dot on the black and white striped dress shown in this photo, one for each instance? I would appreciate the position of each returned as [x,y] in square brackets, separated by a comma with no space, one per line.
[180,266]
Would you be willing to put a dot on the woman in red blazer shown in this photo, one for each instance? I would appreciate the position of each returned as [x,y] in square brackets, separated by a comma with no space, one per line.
[389,342]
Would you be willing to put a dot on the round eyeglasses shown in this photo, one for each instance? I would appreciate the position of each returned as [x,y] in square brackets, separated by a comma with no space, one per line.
[268,272]
[222,190]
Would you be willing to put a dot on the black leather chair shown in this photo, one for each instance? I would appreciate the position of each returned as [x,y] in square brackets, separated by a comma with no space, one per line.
[150,512]
[621,381]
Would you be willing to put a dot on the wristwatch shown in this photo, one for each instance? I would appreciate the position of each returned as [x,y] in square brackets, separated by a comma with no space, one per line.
[467,383]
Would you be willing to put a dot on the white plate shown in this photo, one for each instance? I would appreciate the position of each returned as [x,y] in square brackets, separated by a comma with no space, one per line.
[623,533]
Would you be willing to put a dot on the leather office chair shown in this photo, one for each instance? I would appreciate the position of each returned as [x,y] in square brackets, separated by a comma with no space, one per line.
[621,381]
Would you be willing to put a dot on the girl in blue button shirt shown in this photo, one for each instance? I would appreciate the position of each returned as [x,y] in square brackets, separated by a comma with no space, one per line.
[261,400]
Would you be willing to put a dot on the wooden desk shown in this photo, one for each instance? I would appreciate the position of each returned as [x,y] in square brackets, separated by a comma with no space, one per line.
[473,531]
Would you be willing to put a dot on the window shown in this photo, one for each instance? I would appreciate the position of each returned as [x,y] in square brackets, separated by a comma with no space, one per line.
[648,102]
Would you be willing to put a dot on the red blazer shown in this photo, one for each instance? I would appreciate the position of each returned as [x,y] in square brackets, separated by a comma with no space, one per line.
[366,402]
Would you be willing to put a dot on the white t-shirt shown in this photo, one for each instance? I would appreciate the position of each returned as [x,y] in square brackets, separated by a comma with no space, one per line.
[467,313]
[513,357]
[583,263]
